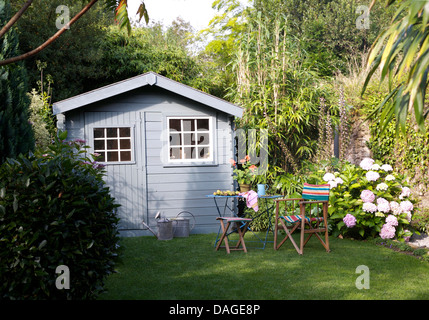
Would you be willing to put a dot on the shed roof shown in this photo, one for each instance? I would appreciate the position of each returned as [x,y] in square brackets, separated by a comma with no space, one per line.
[151,79]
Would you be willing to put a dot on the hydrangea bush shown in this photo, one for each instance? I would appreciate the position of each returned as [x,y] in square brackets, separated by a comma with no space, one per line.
[369,200]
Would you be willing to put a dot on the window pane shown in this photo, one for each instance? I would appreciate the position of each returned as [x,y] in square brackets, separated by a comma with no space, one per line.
[99,133]
[117,143]
[125,155]
[175,125]
[125,143]
[112,156]
[99,145]
[125,132]
[101,157]
[203,152]
[203,124]
[175,153]
[112,132]
[189,153]
[188,124]
[112,144]
[203,138]
[189,138]
[175,139]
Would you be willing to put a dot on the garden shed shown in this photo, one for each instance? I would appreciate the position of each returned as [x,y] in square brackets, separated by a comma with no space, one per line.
[165,146]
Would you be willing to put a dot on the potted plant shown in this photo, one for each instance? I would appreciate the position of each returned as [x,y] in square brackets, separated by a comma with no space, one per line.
[245,173]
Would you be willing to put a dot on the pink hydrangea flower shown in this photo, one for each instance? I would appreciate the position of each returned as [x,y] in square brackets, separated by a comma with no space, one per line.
[391,220]
[387,231]
[395,207]
[406,206]
[372,176]
[367,196]
[406,192]
[349,220]
[383,205]
[339,180]
[369,207]
[366,163]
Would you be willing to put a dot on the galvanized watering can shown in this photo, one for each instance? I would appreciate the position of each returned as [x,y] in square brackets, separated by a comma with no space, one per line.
[174,227]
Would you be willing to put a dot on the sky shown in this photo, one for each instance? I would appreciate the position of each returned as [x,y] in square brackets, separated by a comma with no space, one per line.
[197,12]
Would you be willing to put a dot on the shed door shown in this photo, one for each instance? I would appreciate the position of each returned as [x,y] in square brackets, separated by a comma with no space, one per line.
[119,139]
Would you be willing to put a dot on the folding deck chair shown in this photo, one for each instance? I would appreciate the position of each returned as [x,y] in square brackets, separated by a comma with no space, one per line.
[310,218]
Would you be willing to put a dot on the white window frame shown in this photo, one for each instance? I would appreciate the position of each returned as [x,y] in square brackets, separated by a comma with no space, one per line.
[211,145]
[132,138]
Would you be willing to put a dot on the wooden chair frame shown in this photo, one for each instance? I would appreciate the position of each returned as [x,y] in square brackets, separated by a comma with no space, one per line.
[241,229]
[302,223]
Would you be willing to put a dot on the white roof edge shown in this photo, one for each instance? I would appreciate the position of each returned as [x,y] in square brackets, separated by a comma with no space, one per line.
[150,78]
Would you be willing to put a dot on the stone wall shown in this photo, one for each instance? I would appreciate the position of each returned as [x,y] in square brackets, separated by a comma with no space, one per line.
[357,148]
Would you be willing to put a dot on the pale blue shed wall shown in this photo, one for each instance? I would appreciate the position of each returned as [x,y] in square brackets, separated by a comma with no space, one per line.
[149,186]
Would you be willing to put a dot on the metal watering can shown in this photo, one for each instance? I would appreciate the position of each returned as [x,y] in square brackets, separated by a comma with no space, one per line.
[169,228]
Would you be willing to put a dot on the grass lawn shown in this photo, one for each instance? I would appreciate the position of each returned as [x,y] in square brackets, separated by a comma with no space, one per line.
[190,268]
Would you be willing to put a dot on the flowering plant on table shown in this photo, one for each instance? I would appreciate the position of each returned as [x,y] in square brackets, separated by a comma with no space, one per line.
[369,200]
[245,172]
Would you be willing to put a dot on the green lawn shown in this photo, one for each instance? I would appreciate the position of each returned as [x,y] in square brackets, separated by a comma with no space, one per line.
[190,268]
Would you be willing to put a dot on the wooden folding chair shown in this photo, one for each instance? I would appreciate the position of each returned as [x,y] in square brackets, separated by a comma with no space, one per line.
[310,218]
[242,224]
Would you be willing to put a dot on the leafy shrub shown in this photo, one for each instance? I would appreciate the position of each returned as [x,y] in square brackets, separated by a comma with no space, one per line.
[55,210]
[368,200]
[421,220]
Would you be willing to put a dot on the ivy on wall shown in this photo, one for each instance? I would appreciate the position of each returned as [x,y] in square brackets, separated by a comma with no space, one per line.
[409,153]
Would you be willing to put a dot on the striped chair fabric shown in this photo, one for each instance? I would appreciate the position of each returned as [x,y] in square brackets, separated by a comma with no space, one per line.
[316,192]
[297,218]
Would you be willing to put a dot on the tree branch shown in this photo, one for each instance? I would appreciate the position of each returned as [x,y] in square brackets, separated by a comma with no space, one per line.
[15,18]
[51,39]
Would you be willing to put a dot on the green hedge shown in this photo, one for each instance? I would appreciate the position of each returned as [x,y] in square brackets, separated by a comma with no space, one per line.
[55,210]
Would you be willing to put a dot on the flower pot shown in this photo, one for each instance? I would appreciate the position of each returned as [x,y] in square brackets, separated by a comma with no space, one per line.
[244,187]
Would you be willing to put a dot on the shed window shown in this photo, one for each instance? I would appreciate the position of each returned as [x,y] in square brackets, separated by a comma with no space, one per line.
[190,139]
[113,144]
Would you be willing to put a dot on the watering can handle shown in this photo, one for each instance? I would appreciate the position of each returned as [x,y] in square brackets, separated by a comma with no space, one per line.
[193,218]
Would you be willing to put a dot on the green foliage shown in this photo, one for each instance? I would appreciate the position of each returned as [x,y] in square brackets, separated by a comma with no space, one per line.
[277,90]
[73,59]
[403,49]
[421,220]
[408,153]
[152,49]
[41,119]
[16,135]
[55,210]
[327,30]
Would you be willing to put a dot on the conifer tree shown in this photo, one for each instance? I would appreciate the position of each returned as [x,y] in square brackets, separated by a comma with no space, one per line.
[16,135]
